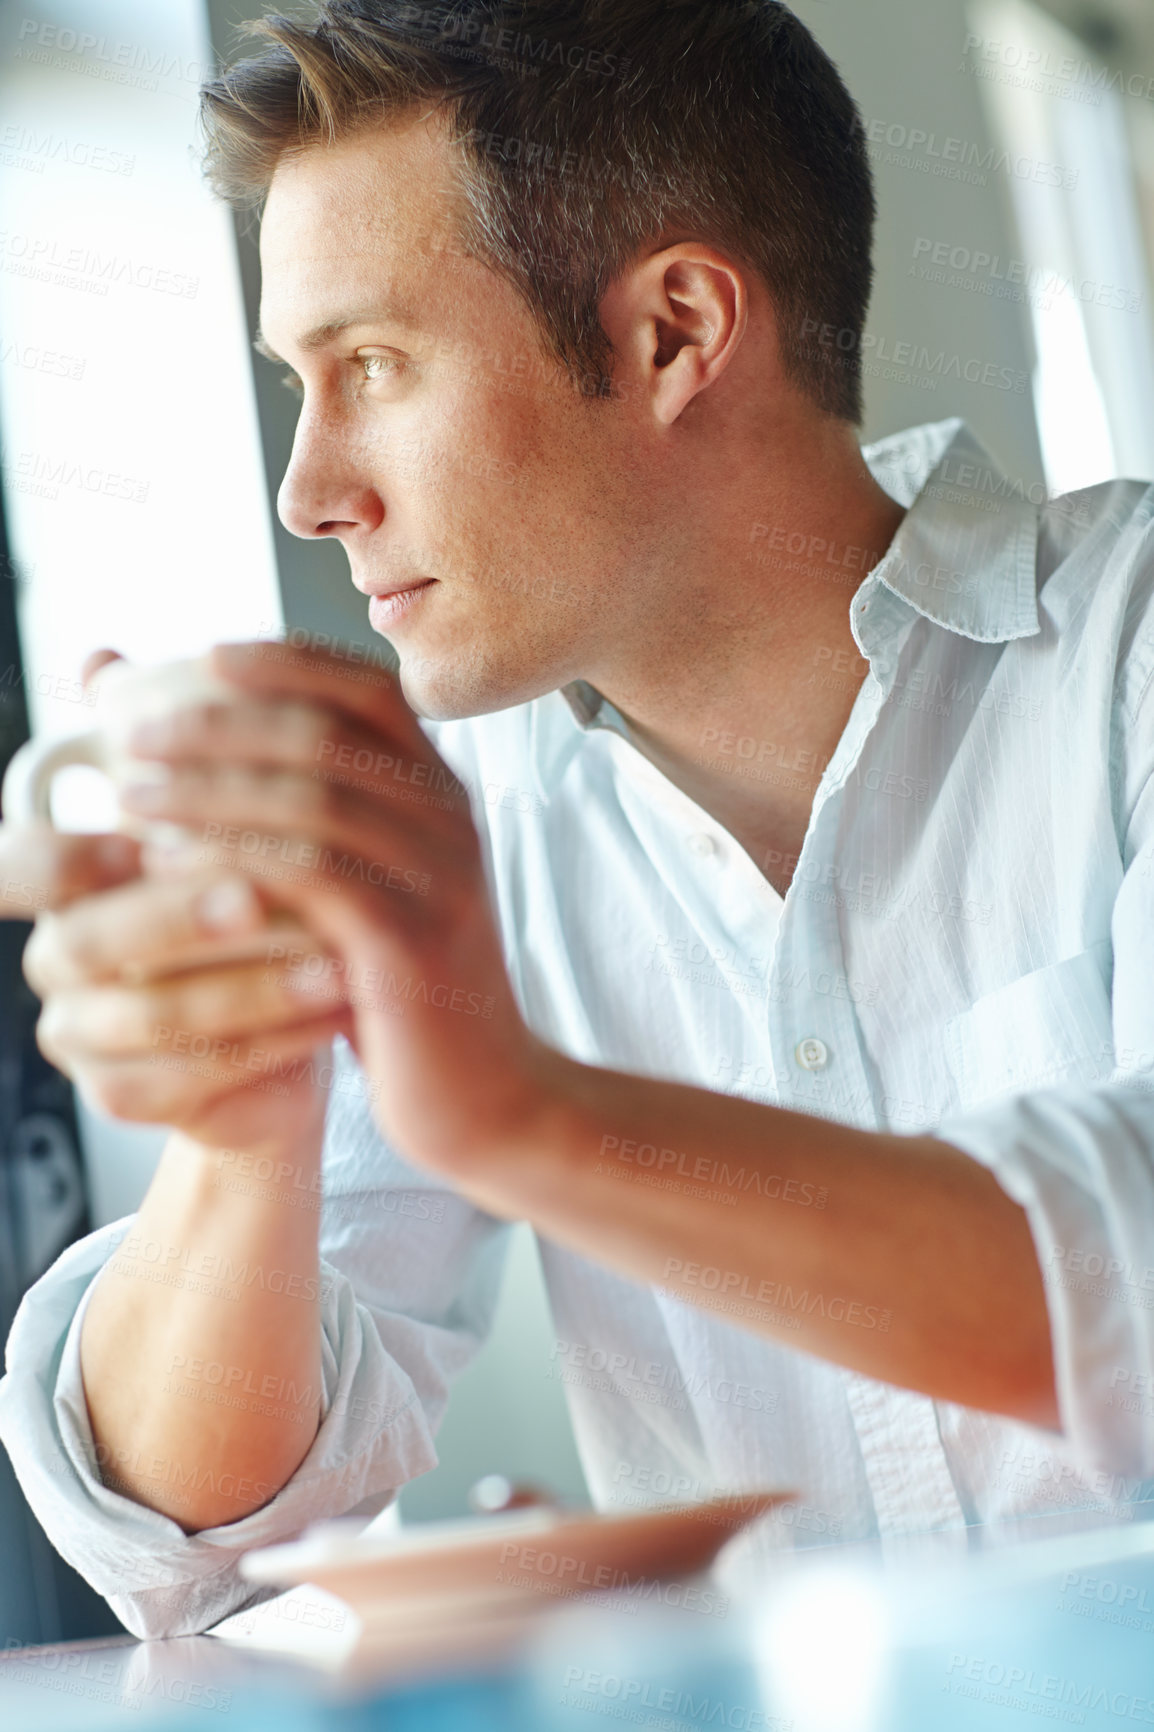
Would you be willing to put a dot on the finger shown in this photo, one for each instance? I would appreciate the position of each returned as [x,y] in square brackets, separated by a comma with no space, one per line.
[148,923]
[325,744]
[342,864]
[203,1014]
[42,868]
[262,731]
[262,806]
[370,693]
[95,660]
[175,1089]
[208,796]
[257,822]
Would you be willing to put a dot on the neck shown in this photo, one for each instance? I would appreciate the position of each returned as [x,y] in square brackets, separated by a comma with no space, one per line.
[742,700]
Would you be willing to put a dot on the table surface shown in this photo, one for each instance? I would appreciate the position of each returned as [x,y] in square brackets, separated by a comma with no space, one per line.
[1051,1618]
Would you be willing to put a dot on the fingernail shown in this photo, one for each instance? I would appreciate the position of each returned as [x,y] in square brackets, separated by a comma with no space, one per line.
[171,850]
[227,905]
[152,734]
[171,840]
[146,796]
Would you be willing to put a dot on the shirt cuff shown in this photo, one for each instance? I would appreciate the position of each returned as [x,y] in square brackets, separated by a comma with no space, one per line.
[159,1581]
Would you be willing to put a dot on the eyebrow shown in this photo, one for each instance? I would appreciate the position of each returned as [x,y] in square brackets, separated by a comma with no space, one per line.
[322,335]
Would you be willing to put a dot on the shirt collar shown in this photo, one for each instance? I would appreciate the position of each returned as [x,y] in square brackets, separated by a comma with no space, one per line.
[964,556]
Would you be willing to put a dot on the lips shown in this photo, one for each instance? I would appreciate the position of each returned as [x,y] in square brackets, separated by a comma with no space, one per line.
[388,607]
[394,589]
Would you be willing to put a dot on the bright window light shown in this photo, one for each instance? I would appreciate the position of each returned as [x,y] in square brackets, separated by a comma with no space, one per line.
[1080,236]
[136,499]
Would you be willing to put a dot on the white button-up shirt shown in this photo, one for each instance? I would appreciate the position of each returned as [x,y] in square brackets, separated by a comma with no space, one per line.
[967,946]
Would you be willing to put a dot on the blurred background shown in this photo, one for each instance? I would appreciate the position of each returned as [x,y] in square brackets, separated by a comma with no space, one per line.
[141,442]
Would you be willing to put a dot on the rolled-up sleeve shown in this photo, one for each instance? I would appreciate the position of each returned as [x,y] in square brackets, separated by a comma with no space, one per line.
[1079,1159]
[1080,1162]
[410,1274]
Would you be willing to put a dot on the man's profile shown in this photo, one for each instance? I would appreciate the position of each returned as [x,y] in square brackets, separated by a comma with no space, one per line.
[780,951]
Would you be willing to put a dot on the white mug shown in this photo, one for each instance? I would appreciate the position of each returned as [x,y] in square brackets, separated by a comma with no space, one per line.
[122,694]
[127,694]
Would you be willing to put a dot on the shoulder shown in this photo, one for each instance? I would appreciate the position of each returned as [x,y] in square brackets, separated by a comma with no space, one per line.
[1097,544]
[1104,520]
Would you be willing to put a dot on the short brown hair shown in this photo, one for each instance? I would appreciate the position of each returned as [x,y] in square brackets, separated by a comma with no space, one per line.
[589,127]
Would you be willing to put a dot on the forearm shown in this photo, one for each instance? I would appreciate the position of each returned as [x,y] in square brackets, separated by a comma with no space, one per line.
[914,1235]
[200,1348]
[897,1257]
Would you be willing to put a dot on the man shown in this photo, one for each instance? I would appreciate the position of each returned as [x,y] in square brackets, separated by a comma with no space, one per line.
[787,964]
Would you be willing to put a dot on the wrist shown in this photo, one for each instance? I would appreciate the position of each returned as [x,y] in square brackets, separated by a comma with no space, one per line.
[299,1143]
[279,1169]
[521,1165]
[258,1124]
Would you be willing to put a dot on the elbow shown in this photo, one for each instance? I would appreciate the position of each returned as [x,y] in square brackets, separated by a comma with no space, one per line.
[213,1500]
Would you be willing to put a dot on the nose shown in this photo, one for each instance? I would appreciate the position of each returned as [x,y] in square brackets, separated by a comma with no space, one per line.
[324,490]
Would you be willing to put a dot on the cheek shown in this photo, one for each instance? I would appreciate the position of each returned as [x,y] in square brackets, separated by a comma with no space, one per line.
[497,483]
[466,453]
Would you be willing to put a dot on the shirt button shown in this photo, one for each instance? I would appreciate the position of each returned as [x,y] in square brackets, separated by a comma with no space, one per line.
[811,1053]
[702,844]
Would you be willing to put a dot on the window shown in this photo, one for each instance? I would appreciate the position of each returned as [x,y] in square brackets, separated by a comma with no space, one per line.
[132,466]
[1080,139]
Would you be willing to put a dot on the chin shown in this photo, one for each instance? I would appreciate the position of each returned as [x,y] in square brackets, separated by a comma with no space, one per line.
[449,689]
[440,693]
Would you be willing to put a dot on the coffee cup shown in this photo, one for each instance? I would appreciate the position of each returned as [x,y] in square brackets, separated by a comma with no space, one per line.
[122,694]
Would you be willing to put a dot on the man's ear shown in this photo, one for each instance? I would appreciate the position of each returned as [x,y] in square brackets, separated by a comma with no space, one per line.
[676,319]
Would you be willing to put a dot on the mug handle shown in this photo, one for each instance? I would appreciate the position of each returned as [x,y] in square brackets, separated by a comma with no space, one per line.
[26,793]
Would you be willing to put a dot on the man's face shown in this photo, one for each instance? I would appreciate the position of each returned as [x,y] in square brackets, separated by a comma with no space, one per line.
[435,441]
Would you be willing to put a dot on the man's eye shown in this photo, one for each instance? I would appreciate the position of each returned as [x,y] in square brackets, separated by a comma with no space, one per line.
[292,382]
[379,366]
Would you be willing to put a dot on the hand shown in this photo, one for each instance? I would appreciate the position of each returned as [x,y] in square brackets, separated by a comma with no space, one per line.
[325,791]
[151,1026]
[139,1045]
